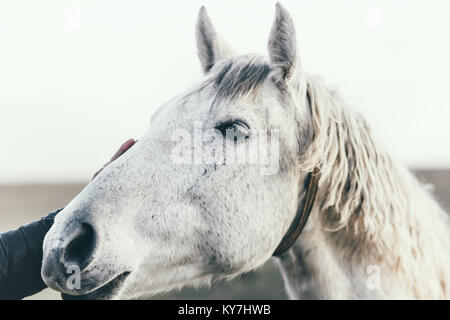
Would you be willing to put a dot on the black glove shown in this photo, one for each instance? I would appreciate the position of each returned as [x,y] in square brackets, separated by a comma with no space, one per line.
[21,251]
[21,259]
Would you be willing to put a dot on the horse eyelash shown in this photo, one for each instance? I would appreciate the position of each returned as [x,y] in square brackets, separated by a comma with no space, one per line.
[222,126]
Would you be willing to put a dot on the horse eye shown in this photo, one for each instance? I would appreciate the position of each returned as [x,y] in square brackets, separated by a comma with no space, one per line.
[234,130]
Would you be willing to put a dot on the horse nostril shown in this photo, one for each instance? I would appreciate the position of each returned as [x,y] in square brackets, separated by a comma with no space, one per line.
[81,247]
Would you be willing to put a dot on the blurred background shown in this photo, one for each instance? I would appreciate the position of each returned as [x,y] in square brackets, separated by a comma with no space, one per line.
[77,78]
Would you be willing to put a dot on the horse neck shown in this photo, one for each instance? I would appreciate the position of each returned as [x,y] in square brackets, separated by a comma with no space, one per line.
[371,213]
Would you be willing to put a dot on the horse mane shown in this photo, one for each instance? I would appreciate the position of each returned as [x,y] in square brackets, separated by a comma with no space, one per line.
[361,182]
[372,208]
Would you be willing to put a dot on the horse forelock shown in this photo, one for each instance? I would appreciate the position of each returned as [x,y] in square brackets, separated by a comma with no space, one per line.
[238,77]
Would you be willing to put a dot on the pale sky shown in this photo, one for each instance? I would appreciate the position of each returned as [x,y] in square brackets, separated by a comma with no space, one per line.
[77,78]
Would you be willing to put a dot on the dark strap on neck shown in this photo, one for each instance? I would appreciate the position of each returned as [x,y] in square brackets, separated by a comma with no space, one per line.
[302,214]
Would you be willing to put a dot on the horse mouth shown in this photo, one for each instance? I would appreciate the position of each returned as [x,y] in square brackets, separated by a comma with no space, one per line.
[105,292]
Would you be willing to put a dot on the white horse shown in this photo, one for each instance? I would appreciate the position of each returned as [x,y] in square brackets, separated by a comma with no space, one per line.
[162,216]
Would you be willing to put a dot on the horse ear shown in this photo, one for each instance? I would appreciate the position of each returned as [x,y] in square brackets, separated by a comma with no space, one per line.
[282,43]
[210,47]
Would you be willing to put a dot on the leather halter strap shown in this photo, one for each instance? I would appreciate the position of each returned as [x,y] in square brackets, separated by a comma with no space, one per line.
[302,214]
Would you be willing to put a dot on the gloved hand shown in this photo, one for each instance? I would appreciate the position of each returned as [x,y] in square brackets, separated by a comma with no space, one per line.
[21,251]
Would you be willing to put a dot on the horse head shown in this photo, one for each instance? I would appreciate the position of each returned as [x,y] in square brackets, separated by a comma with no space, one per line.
[207,193]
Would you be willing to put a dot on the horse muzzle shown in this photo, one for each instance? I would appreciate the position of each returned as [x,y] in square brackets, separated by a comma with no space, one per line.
[71,262]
